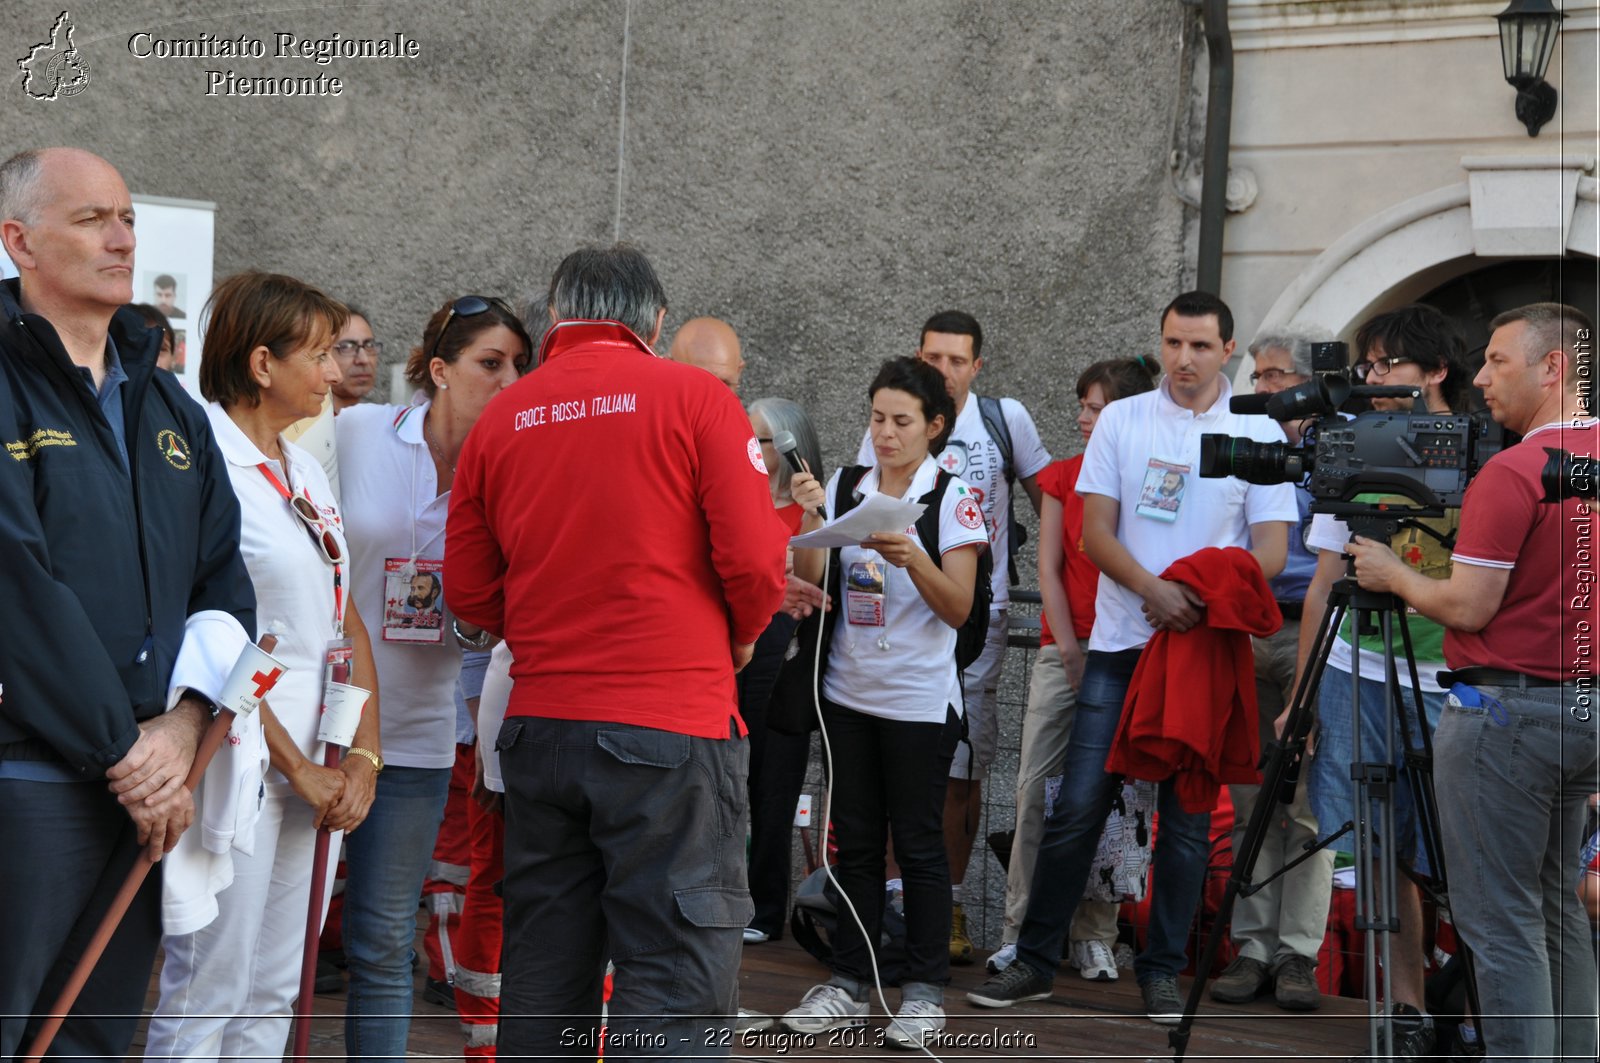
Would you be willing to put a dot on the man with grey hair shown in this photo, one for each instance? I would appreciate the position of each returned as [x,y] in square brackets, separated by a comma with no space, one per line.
[119,542]
[628,606]
[1278,930]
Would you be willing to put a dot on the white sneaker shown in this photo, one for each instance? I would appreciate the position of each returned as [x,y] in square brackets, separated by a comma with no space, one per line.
[824,1008]
[751,1022]
[917,1023]
[752,936]
[1003,957]
[1094,961]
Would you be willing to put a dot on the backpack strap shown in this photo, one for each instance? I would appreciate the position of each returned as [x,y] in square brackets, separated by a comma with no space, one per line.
[928,523]
[844,499]
[994,421]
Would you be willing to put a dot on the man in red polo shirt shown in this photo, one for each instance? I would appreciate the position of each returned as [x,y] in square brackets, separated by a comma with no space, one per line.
[1515,752]
[611,519]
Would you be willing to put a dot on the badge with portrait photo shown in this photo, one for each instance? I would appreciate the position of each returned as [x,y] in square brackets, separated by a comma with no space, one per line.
[1161,495]
[413,600]
[864,592]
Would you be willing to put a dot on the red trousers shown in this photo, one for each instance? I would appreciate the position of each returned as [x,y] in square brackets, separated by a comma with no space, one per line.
[447,878]
[478,945]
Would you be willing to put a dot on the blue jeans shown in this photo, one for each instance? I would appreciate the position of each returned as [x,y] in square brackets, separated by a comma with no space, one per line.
[1513,776]
[1072,832]
[1329,786]
[386,860]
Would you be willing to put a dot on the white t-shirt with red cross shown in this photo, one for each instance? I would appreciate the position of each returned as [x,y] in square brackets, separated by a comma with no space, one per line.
[891,655]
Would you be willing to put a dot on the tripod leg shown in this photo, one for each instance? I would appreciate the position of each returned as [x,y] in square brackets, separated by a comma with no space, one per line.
[1281,768]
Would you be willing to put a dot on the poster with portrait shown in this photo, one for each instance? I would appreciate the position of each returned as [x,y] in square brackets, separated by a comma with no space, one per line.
[172,271]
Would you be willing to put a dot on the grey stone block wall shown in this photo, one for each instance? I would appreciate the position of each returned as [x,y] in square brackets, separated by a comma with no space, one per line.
[822,174]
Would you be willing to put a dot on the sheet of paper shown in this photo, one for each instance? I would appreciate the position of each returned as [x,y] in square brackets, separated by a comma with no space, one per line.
[879,513]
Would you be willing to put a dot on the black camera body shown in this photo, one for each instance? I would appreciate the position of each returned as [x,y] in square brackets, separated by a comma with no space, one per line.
[1426,457]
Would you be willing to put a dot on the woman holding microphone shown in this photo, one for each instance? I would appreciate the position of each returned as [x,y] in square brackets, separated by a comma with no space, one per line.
[891,702]
[228,987]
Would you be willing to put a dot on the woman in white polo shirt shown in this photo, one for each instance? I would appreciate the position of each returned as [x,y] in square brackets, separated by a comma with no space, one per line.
[891,703]
[396,465]
[228,987]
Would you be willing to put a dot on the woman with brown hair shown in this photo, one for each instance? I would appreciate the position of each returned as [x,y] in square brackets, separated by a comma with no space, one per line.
[396,466]
[228,986]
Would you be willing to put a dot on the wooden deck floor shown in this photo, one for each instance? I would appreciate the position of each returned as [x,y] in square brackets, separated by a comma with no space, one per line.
[1084,1021]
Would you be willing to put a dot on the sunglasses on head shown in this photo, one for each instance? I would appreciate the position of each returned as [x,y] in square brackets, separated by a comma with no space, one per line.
[466,306]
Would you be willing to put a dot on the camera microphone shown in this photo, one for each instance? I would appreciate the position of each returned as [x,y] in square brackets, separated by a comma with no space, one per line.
[1249,404]
[784,443]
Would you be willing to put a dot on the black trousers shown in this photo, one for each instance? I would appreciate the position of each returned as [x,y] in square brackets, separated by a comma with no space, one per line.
[68,848]
[889,777]
[777,775]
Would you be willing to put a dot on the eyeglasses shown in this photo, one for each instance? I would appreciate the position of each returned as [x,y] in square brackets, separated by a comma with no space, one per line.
[763,439]
[1273,376]
[1379,366]
[466,306]
[347,348]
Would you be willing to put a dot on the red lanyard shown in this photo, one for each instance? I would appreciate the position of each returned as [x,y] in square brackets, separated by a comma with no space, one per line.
[338,569]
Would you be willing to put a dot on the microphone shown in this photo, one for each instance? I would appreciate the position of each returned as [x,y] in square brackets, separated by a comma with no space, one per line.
[1252,404]
[784,443]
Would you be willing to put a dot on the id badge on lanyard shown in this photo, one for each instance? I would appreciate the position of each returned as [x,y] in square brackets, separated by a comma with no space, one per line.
[866,587]
[413,600]
[1161,495]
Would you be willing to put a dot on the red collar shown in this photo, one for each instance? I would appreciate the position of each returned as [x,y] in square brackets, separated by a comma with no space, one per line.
[564,335]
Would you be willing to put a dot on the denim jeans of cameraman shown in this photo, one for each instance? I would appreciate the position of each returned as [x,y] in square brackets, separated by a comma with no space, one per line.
[1513,770]
[1071,834]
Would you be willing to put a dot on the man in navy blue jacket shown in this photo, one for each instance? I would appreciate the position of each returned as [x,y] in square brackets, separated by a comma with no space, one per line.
[118,531]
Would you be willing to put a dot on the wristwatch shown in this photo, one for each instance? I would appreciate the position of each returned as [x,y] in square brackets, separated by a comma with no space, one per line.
[477,642]
[377,761]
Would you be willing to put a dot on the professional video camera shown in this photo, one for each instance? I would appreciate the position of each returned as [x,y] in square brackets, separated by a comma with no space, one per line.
[1425,457]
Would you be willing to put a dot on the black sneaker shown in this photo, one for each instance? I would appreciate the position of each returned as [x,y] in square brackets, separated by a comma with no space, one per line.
[1413,1036]
[1162,1001]
[438,992]
[1015,984]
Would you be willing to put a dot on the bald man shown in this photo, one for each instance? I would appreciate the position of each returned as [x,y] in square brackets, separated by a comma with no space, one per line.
[119,537]
[711,345]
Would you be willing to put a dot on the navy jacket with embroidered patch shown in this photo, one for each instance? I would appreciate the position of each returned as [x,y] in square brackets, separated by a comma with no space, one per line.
[93,610]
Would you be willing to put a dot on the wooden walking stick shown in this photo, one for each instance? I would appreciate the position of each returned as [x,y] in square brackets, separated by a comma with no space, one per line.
[262,681]
[341,712]
[308,958]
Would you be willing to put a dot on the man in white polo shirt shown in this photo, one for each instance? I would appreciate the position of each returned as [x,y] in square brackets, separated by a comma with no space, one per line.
[1145,506]
[993,443]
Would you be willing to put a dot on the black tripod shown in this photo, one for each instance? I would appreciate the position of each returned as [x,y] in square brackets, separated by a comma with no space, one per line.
[1374,781]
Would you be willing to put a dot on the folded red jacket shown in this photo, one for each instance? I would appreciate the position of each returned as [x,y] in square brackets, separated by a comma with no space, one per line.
[1190,714]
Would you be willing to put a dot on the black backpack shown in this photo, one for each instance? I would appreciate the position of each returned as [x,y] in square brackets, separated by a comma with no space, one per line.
[994,421]
[791,710]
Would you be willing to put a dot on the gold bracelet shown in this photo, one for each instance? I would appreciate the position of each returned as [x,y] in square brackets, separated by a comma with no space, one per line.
[377,761]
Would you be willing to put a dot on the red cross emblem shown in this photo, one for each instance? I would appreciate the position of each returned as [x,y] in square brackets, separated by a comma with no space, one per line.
[1414,555]
[265,681]
[948,461]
